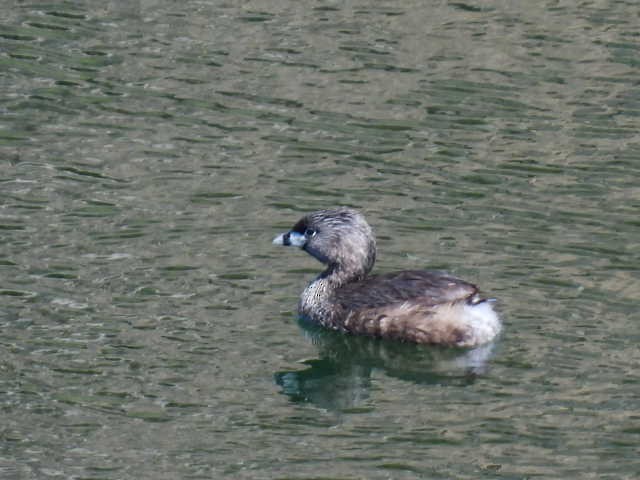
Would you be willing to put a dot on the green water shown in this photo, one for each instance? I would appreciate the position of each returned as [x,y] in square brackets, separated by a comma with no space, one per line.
[150,151]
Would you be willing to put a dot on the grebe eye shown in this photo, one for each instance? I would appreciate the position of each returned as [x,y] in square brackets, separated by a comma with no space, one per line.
[309,232]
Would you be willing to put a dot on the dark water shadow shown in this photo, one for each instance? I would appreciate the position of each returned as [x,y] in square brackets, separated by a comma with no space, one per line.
[340,378]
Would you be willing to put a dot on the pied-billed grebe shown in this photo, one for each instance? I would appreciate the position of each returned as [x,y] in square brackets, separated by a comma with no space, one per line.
[417,306]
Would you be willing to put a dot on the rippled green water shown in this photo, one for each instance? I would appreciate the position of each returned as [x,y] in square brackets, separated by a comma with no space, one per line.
[149,151]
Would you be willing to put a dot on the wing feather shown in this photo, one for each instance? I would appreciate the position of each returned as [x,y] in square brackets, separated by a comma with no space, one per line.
[424,287]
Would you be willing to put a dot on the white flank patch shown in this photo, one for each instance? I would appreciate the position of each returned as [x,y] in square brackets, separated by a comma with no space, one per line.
[483,320]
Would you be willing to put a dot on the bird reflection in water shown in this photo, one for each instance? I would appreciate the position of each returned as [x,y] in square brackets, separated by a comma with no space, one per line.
[341,377]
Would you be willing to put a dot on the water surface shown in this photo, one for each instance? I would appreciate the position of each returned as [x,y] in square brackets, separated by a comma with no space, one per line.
[151,150]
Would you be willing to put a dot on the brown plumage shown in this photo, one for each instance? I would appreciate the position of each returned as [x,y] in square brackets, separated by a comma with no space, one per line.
[418,306]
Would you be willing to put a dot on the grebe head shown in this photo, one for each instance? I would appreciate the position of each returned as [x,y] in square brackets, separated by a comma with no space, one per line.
[340,238]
